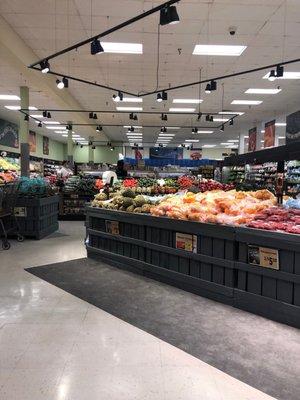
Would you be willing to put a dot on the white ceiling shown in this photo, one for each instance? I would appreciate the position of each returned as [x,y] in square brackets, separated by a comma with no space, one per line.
[270,29]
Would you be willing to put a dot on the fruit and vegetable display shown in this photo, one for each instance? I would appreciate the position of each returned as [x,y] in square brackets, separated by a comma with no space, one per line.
[7,164]
[7,177]
[124,200]
[229,208]
[80,184]
[34,187]
[277,219]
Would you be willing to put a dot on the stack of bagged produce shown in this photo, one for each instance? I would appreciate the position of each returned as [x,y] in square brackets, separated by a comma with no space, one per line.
[277,219]
[230,208]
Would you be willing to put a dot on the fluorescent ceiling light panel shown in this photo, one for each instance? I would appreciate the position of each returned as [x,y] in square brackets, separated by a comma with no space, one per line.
[281,137]
[263,91]
[135,127]
[181,109]
[225,144]
[51,123]
[280,124]
[205,131]
[218,50]
[221,119]
[77,136]
[173,127]
[187,101]
[64,135]
[247,102]
[16,108]
[52,127]
[286,75]
[36,116]
[166,135]
[209,145]
[9,97]
[231,113]
[129,108]
[233,140]
[192,140]
[132,100]
[125,48]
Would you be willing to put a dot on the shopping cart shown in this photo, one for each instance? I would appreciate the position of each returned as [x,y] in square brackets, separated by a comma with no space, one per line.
[8,220]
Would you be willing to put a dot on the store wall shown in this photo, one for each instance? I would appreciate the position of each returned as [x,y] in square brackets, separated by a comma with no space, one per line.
[101,154]
[56,149]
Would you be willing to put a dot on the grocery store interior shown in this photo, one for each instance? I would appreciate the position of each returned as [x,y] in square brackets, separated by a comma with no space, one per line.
[149,200]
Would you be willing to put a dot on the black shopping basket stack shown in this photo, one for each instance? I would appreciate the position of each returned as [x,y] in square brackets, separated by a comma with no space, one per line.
[8,221]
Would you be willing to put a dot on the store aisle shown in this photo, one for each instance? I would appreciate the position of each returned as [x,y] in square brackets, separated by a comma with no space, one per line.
[56,346]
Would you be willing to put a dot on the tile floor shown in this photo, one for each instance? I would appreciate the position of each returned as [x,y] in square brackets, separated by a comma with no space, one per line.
[54,346]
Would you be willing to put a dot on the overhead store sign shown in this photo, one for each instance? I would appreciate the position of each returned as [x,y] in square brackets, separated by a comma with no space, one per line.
[293,127]
[252,139]
[9,134]
[263,257]
[269,134]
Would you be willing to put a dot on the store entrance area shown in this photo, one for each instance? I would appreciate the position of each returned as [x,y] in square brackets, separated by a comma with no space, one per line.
[135,339]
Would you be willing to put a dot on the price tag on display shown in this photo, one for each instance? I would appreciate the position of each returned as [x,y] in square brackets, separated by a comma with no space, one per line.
[186,242]
[263,257]
[112,227]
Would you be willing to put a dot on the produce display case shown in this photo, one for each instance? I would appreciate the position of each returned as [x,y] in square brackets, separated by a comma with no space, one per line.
[211,260]
[37,217]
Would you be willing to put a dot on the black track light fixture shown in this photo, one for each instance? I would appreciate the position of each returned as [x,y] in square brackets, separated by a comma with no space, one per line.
[199,116]
[158,98]
[93,147]
[160,145]
[131,129]
[272,76]
[163,129]
[45,114]
[59,84]
[211,118]
[164,117]
[69,127]
[112,148]
[77,144]
[26,118]
[90,143]
[45,66]
[195,130]
[65,81]
[48,115]
[91,115]
[213,86]
[222,128]
[208,89]
[231,122]
[99,128]
[95,116]
[183,145]
[279,71]
[81,146]
[207,118]
[96,47]
[40,124]
[164,96]
[133,116]
[118,97]
[169,15]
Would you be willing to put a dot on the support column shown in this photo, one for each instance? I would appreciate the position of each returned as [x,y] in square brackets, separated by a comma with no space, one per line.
[91,151]
[24,133]
[241,143]
[70,146]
